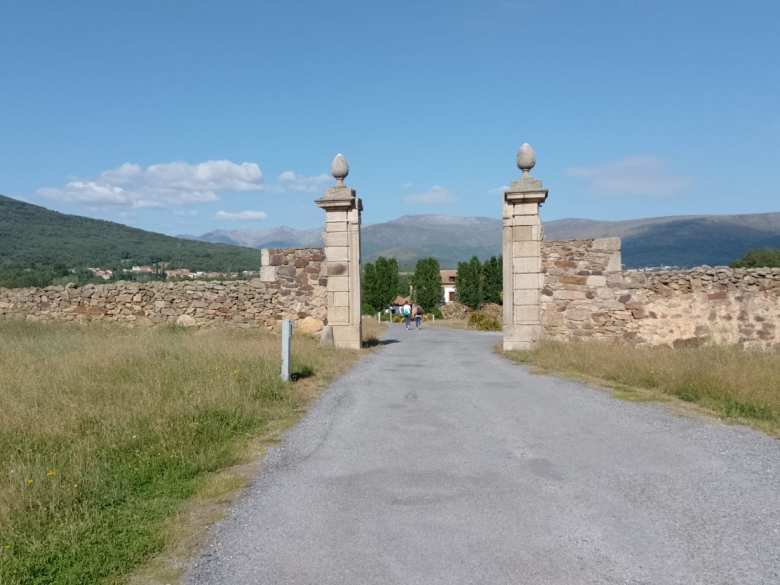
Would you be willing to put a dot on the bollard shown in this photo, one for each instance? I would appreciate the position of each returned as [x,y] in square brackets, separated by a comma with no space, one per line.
[286,349]
[379,317]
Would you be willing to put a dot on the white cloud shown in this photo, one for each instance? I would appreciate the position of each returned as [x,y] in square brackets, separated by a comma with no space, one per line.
[290,181]
[498,190]
[633,176]
[436,195]
[161,185]
[241,215]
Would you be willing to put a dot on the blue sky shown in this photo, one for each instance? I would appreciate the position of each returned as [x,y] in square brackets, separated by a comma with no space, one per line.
[183,117]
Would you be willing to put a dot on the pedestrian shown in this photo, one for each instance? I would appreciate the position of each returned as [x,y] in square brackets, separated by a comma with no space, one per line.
[418,315]
[406,311]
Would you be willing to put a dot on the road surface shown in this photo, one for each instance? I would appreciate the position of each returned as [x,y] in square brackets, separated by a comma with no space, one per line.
[437,461]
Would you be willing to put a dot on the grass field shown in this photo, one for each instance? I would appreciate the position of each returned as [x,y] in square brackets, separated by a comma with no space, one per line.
[106,431]
[728,381]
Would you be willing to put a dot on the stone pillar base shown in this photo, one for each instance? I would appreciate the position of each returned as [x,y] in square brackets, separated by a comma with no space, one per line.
[522,337]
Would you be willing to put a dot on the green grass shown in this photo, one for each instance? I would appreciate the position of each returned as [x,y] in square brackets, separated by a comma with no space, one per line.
[728,381]
[105,432]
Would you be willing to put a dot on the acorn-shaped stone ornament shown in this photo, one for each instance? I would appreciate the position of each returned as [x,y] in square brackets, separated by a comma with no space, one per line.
[526,158]
[339,168]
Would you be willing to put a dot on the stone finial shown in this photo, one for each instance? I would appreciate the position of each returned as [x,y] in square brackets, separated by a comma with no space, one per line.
[526,158]
[339,168]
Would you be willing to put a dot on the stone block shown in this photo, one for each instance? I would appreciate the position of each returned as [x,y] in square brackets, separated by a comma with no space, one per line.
[338,315]
[267,273]
[338,299]
[526,264]
[526,248]
[527,314]
[347,336]
[337,268]
[337,253]
[336,239]
[525,209]
[523,333]
[530,280]
[265,257]
[336,226]
[526,221]
[336,216]
[573,279]
[569,295]
[338,283]
[527,296]
[614,263]
[596,281]
[522,233]
[309,326]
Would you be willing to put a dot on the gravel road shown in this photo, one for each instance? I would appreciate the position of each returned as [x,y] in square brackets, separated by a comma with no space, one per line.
[436,461]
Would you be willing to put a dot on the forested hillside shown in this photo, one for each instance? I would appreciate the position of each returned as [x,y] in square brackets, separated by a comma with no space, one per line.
[36,237]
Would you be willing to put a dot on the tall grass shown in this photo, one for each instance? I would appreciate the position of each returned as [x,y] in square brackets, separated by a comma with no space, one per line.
[733,382]
[105,431]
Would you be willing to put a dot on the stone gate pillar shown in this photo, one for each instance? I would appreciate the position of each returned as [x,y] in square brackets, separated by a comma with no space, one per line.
[342,256]
[522,267]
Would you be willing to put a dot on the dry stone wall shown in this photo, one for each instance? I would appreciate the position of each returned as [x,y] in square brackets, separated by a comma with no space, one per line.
[587,296]
[292,286]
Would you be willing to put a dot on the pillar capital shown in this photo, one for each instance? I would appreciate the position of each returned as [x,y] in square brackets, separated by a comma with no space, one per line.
[339,198]
[526,189]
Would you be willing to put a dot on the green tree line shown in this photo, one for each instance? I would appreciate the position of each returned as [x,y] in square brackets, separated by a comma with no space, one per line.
[477,283]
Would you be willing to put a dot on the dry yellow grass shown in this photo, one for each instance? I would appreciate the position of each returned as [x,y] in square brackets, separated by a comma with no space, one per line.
[105,431]
[372,331]
[729,381]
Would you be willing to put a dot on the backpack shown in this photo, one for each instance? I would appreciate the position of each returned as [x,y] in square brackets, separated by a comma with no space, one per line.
[407,310]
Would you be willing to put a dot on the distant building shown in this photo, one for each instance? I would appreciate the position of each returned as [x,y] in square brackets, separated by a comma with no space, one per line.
[448,285]
[105,274]
[178,273]
[142,269]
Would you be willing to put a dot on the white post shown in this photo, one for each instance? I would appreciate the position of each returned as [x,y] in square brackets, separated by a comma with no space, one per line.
[379,317]
[286,349]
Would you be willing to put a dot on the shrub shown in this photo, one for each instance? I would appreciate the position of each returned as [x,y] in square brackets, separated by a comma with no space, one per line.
[483,322]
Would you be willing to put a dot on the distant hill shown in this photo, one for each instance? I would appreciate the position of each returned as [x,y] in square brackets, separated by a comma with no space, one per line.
[32,235]
[677,240]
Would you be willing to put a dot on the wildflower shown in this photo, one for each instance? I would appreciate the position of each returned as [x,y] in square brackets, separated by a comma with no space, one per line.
[29,482]
[51,473]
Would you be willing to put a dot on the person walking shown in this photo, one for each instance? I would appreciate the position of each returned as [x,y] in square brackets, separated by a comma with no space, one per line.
[418,312]
[406,311]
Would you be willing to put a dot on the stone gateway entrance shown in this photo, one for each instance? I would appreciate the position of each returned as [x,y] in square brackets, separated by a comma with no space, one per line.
[522,268]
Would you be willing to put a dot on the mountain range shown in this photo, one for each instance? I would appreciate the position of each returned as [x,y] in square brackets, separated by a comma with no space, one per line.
[31,235]
[689,240]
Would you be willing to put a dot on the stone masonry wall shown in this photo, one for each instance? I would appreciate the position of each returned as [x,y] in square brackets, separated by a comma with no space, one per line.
[292,286]
[587,296]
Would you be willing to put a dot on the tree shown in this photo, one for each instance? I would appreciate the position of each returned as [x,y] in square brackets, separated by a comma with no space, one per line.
[369,284]
[492,280]
[380,283]
[468,283]
[387,281]
[427,284]
[766,258]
